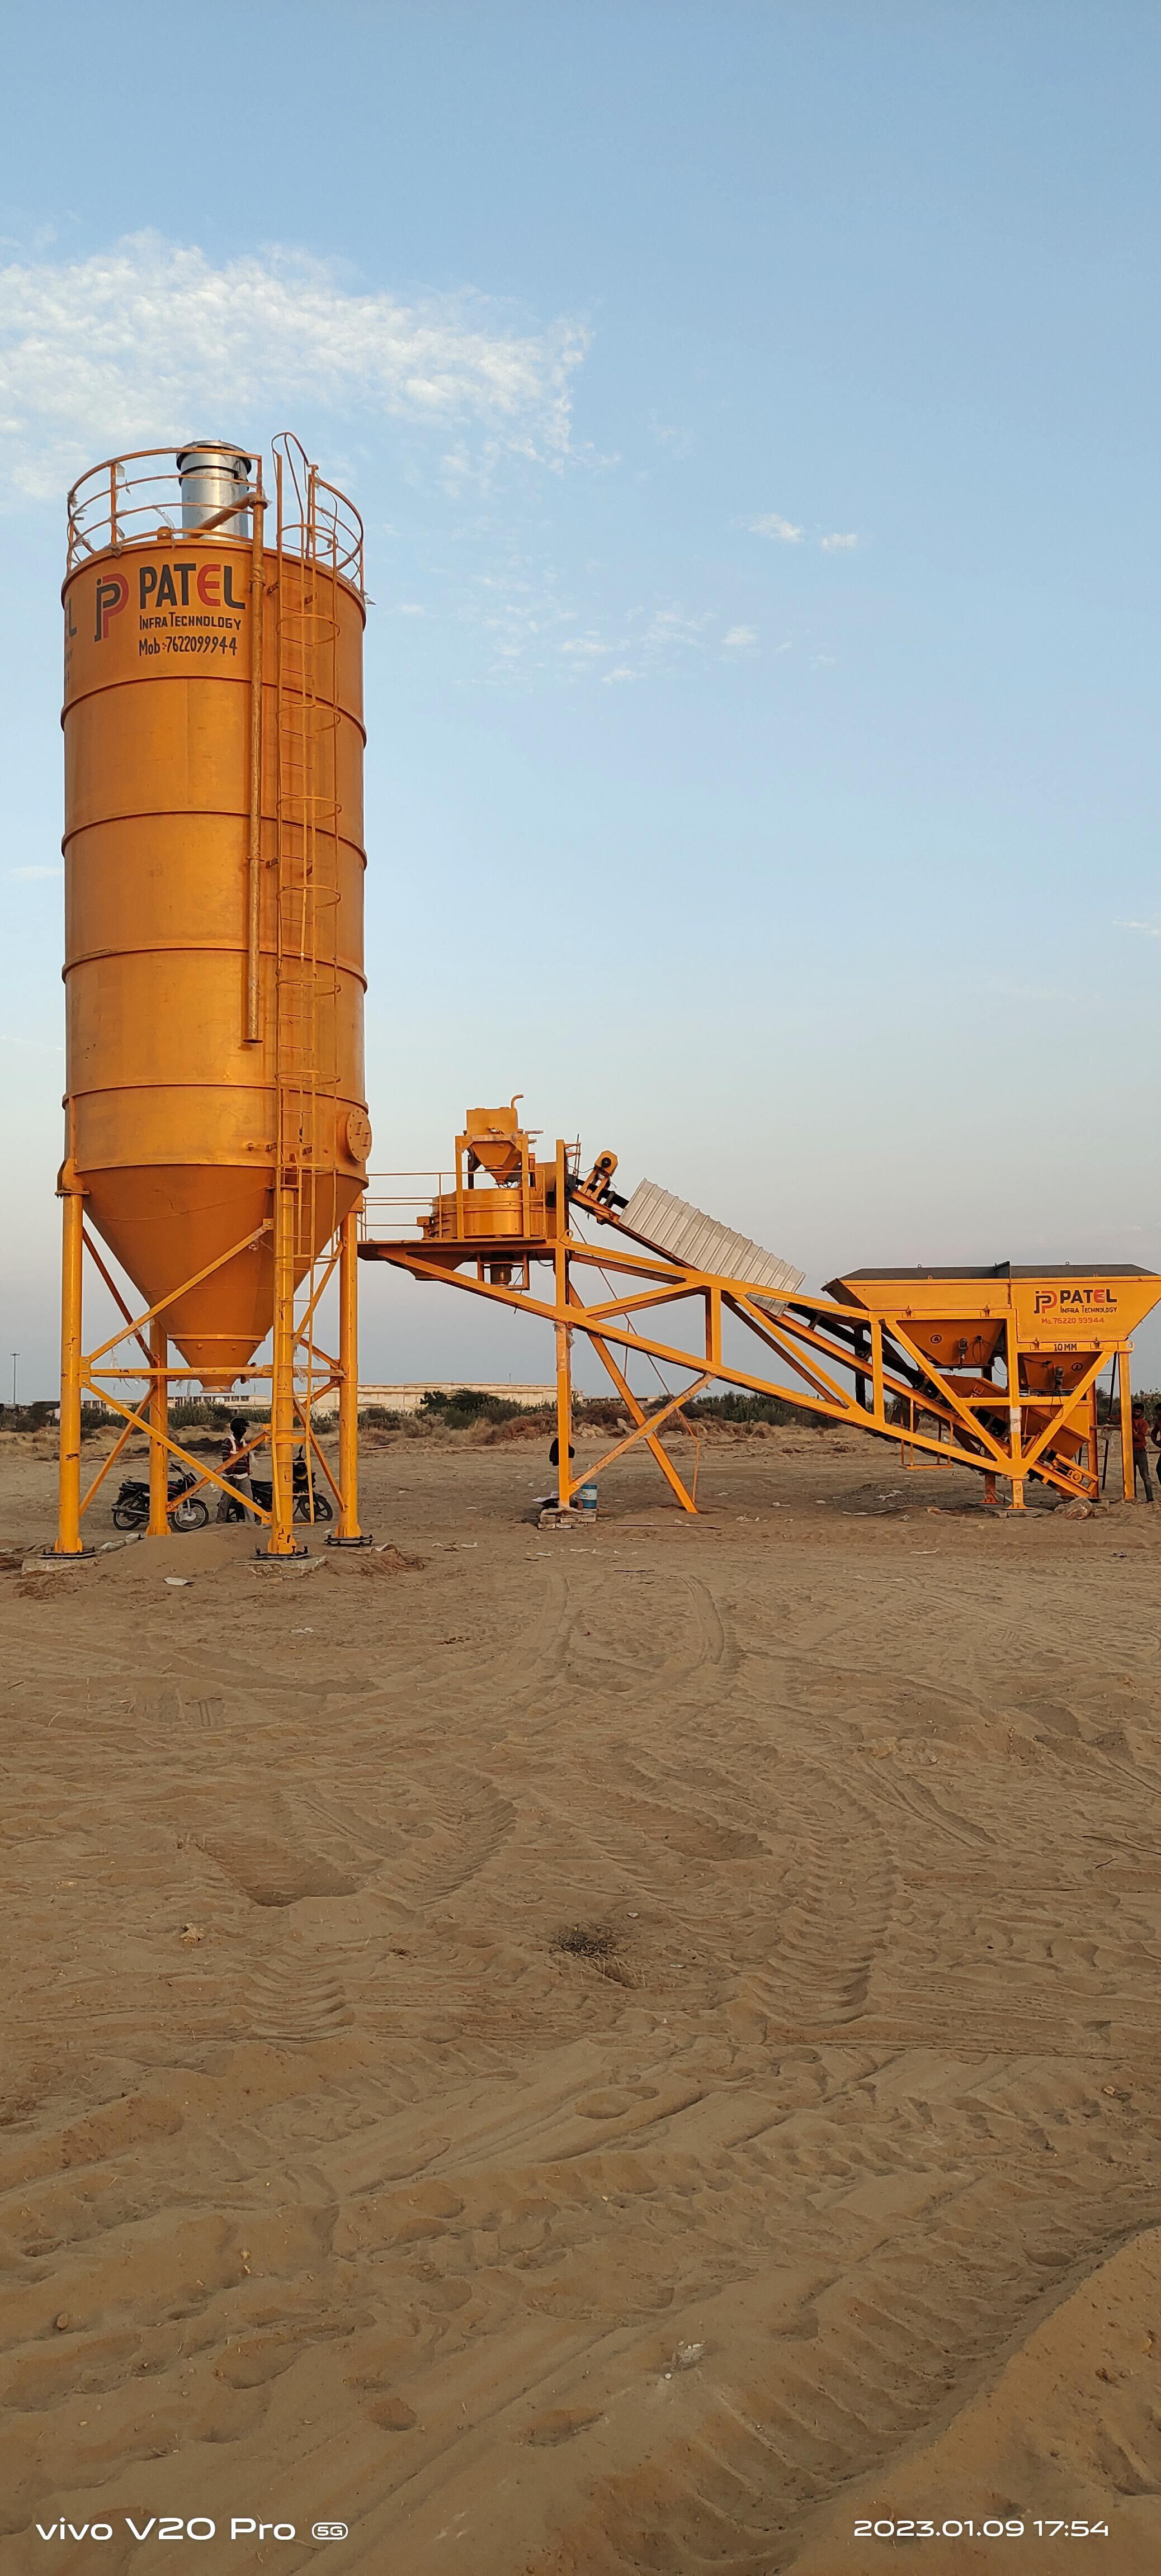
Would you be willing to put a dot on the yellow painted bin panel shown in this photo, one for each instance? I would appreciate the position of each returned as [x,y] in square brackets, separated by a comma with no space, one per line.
[1060,1308]
[173,1116]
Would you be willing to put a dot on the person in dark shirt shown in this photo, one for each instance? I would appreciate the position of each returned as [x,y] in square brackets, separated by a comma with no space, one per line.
[1141,1451]
[235,1465]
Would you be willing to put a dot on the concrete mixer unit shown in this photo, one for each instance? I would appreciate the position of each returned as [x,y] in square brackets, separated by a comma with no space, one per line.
[217,1131]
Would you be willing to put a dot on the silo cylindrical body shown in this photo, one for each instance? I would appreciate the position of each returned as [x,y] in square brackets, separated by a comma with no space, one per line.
[179,1117]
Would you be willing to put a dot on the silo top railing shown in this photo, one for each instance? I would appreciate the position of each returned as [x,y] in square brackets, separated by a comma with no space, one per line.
[136,496]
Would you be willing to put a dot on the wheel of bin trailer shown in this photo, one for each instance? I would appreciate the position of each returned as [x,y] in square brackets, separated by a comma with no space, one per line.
[191,1515]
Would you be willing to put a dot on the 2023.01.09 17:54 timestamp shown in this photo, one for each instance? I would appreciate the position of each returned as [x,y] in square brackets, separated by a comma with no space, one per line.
[1043,2527]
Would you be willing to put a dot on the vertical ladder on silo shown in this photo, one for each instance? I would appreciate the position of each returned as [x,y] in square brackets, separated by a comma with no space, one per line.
[307,690]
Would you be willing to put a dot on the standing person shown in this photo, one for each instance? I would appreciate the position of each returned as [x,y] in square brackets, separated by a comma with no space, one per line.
[1141,1451]
[546,1502]
[235,1466]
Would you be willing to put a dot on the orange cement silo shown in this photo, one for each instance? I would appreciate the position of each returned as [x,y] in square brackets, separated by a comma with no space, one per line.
[214,869]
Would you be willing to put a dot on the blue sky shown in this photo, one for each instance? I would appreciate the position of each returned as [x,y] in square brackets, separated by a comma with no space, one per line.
[753,413]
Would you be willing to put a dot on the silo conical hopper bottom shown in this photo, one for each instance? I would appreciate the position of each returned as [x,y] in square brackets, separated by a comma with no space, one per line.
[164,1224]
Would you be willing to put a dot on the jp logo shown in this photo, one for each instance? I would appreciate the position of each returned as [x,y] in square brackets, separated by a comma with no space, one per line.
[112,593]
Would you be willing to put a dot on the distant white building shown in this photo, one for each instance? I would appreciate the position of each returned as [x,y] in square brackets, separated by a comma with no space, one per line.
[393,1399]
[409,1398]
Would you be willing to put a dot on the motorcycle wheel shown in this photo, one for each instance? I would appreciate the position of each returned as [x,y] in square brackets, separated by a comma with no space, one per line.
[191,1515]
[322,1508]
[125,1518]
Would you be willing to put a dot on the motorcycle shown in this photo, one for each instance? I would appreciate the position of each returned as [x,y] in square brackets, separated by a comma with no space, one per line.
[306,1495]
[131,1509]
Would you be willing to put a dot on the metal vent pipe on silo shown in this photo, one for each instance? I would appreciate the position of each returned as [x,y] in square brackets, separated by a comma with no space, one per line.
[213,477]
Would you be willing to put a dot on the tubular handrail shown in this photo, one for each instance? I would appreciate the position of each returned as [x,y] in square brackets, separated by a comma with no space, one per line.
[109,507]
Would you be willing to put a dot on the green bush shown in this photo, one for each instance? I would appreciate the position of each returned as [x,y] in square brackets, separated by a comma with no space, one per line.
[752,1408]
[192,1413]
[469,1405]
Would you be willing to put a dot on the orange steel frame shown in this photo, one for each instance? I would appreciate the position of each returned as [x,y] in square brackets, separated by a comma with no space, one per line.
[888,1363]
[300,1372]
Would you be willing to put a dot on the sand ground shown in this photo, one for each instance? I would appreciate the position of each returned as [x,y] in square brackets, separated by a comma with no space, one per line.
[814,2178]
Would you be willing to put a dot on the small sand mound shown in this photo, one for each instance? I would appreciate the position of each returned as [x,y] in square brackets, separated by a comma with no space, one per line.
[194,1552]
[1056,2437]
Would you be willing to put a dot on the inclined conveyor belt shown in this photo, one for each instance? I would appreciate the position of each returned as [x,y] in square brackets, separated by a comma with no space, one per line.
[670,1225]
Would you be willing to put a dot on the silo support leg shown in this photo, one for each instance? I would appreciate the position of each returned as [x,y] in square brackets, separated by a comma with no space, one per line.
[563,1416]
[282,1433]
[68,1536]
[348,1533]
[1128,1479]
[158,1432]
[1015,1417]
[563,1341]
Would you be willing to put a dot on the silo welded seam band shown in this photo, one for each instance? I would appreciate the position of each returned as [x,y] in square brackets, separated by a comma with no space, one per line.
[201,948]
[216,679]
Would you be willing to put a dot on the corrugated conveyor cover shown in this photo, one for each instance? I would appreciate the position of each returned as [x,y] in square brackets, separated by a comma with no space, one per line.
[671,1225]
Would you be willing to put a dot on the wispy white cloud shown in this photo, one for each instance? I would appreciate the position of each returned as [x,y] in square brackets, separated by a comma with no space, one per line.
[787,532]
[670,628]
[1148,929]
[523,615]
[679,442]
[151,341]
[518,613]
[781,532]
[27,874]
[588,648]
